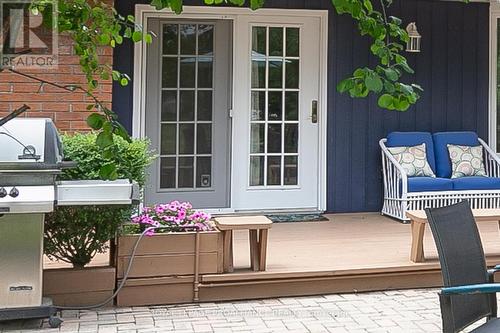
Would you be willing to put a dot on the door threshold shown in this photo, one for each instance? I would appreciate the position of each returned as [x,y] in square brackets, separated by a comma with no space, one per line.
[241,212]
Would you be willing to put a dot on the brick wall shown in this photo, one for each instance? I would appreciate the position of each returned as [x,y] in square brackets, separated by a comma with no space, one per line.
[68,110]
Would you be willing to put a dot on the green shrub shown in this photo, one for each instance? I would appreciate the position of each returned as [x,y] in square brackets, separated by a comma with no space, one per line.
[76,234]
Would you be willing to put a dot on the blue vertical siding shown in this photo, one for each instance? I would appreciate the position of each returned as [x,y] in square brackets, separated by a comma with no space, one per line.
[452,68]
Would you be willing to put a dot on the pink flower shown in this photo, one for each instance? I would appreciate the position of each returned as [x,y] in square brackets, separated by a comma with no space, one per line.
[186,205]
[159,209]
[181,214]
[173,215]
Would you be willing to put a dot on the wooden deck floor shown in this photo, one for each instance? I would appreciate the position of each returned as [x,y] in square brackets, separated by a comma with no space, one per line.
[349,242]
[350,252]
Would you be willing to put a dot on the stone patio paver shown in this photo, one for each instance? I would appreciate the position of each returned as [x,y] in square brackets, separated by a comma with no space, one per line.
[411,311]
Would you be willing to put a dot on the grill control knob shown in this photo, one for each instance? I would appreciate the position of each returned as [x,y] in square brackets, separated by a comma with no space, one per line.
[3,193]
[14,192]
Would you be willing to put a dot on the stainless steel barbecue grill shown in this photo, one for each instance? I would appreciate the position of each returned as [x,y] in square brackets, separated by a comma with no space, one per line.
[31,158]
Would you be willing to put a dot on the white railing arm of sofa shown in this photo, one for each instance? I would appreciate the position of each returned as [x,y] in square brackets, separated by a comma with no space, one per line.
[492,159]
[401,174]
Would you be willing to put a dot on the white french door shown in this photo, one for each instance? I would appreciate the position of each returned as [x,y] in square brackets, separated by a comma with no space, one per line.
[276,118]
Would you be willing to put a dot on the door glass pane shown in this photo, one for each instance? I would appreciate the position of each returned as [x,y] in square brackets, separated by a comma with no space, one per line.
[205,72]
[187,74]
[259,41]
[274,130]
[205,39]
[292,73]
[169,105]
[186,172]
[275,74]
[205,105]
[276,42]
[204,145]
[258,138]
[186,109]
[291,170]
[187,106]
[274,170]
[256,170]
[292,105]
[168,139]
[274,138]
[186,138]
[275,108]
[258,73]
[292,42]
[167,172]
[291,138]
[204,172]
[188,39]
[170,39]
[258,105]
[169,77]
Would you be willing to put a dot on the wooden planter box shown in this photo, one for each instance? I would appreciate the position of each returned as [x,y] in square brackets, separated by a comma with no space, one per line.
[79,287]
[164,266]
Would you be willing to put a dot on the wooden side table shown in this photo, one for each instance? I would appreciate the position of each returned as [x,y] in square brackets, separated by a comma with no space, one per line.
[258,227]
[419,220]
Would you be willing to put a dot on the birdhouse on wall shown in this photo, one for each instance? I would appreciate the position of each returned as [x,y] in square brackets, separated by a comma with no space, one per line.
[413,44]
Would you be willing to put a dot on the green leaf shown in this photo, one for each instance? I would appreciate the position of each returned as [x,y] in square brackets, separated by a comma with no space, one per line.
[95,121]
[256,4]
[368,5]
[345,85]
[122,132]
[176,6]
[385,101]
[359,73]
[116,75]
[391,74]
[148,38]
[374,83]
[128,32]
[104,139]
[108,171]
[104,39]
[137,36]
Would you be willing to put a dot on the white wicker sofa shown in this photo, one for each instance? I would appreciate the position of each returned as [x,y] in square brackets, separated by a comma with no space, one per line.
[403,193]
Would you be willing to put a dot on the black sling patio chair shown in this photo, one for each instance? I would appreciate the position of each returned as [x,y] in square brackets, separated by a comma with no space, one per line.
[469,292]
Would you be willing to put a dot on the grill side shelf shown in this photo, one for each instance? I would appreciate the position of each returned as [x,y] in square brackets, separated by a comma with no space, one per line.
[94,192]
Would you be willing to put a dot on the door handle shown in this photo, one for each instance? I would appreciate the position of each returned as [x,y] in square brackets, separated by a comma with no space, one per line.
[314,112]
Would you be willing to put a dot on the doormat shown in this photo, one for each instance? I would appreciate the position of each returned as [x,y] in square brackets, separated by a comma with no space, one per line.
[282,218]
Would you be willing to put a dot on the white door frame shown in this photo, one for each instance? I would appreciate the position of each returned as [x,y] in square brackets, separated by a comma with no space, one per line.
[492,124]
[145,12]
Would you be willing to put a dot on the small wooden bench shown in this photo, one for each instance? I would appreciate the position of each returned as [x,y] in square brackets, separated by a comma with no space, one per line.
[258,227]
[419,220]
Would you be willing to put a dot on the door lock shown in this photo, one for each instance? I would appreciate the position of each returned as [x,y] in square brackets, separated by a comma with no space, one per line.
[314,112]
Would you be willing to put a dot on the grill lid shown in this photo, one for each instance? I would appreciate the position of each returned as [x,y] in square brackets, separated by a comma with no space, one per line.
[30,144]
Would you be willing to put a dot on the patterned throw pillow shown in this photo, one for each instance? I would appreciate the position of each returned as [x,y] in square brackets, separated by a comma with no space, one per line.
[413,160]
[466,161]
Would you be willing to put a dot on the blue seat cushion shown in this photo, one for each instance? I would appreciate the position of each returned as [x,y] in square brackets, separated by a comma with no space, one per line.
[409,139]
[425,184]
[476,183]
[441,142]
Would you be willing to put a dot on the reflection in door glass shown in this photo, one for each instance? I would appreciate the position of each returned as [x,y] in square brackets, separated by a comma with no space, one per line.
[187,106]
[275,100]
